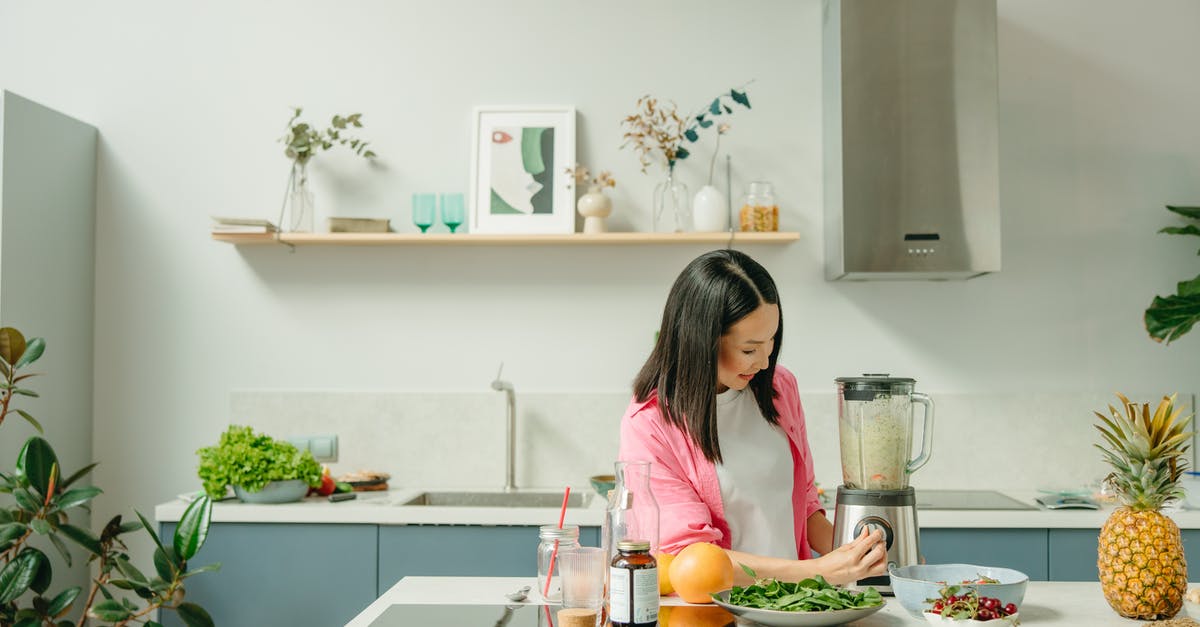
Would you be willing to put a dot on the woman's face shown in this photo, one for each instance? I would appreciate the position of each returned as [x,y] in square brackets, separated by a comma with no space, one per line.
[746,348]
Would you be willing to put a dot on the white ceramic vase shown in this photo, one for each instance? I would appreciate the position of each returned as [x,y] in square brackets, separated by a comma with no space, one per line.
[710,211]
[594,206]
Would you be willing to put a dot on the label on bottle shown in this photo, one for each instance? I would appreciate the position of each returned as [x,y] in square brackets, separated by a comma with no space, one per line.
[633,595]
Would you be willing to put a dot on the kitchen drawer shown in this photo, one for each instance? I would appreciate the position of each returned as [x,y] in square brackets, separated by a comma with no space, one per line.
[461,550]
[1021,549]
[300,575]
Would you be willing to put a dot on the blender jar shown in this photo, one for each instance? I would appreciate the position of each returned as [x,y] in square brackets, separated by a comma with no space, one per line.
[875,429]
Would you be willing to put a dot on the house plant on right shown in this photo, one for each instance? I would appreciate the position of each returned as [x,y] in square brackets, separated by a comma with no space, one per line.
[1169,317]
[260,468]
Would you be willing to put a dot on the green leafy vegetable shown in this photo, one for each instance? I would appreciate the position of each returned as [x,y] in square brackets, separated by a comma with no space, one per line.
[808,595]
[252,460]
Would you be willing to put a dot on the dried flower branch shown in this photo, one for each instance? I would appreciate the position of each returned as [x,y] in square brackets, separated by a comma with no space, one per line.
[584,176]
[302,141]
[657,131]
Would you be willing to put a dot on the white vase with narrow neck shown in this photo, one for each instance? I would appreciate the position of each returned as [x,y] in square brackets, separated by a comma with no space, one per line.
[710,211]
[594,206]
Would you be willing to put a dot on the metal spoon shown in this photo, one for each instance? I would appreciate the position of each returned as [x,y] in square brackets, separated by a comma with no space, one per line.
[519,595]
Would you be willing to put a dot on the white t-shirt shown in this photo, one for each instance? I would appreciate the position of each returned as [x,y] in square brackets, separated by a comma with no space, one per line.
[756,478]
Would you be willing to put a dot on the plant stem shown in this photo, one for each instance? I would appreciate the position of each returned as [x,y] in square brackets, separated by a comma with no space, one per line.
[713,164]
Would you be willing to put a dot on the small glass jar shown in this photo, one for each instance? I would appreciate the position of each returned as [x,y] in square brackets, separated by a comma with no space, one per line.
[759,211]
[633,586]
[553,543]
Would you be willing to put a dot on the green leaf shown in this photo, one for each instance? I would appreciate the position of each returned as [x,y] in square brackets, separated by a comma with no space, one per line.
[739,97]
[1190,212]
[149,528]
[1169,318]
[1188,288]
[43,576]
[126,527]
[24,392]
[1190,229]
[62,548]
[704,123]
[78,475]
[30,419]
[40,526]
[5,516]
[193,528]
[33,351]
[36,462]
[151,623]
[18,574]
[193,615]
[715,107]
[111,611]
[129,570]
[691,134]
[61,603]
[76,497]
[82,537]
[163,565]
[207,568]
[27,500]
[12,345]
[681,154]
[12,531]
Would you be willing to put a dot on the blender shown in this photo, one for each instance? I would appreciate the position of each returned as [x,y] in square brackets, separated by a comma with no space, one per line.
[875,429]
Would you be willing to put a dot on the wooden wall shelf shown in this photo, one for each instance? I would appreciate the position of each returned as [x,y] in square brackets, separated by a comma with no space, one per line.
[484,239]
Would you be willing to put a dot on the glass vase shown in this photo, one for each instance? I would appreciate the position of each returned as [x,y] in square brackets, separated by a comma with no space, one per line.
[671,211]
[632,512]
[300,206]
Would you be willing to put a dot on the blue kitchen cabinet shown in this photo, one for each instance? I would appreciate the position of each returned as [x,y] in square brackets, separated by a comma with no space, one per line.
[1073,553]
[461,550]
[1025,550]
[300,575]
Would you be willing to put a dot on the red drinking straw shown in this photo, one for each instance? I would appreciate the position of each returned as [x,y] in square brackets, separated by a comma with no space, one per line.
[553,554]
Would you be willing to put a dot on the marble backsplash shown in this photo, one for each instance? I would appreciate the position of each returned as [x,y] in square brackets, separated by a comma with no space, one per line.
[457,440]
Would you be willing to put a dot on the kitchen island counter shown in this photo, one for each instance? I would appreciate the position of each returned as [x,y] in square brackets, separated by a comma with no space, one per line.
[386,508]
[1047,604]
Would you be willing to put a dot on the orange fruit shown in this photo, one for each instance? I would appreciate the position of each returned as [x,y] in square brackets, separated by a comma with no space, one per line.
[693,616]
[664,568]
[700,569]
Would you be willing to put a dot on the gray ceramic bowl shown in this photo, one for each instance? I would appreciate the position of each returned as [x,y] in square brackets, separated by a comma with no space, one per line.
[274,492]
[913,584]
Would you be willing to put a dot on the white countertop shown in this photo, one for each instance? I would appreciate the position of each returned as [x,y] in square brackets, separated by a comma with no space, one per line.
[383,508]
[1048,604]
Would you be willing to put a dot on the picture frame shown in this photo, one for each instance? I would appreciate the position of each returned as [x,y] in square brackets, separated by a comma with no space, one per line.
[519,159]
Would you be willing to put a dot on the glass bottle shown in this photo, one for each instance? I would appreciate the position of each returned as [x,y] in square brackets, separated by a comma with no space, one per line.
[553,543]
[671,211]
[633,586]
[301,205]
[759,211]
[632,512]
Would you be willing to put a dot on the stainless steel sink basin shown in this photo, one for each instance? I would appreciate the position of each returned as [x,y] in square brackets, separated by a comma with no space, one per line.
[496,499]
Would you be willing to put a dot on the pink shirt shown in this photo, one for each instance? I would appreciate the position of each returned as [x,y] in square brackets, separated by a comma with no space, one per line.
[685,483]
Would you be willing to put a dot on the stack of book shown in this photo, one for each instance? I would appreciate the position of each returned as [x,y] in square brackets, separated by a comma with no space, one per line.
[242,225]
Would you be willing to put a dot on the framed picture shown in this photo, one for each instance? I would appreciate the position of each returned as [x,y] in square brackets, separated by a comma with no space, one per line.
[518,163]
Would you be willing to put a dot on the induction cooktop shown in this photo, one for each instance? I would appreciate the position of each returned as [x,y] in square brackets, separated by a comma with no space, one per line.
[967,499]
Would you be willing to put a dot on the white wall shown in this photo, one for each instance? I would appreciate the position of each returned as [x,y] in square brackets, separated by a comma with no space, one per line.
[1099,129]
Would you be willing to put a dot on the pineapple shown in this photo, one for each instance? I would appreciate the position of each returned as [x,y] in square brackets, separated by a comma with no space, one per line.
[1142,567]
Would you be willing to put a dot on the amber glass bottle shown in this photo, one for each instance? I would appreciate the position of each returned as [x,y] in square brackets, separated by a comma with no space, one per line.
[633,586]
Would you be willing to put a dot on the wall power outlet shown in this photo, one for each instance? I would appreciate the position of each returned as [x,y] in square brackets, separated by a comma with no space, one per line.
[324,448]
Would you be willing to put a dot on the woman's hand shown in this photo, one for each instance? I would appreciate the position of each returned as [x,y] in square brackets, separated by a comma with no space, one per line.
[865,557]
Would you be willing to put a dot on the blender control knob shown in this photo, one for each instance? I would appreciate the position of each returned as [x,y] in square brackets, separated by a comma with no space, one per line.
[873,523]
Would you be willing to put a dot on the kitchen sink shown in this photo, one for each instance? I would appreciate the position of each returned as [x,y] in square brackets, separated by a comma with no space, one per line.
[497,499]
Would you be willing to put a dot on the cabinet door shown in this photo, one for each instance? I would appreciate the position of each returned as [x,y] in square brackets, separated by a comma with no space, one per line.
[1020,549]
[299,575]
[461,550]
[1073,552]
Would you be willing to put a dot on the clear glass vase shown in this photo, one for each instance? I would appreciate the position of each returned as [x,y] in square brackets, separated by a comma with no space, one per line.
[300,204]
[671,211]
[632,512]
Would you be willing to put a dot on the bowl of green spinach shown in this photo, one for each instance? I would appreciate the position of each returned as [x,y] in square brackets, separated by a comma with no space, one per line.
[810,602]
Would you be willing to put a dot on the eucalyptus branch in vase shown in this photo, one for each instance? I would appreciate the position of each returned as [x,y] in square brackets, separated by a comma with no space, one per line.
[302,142]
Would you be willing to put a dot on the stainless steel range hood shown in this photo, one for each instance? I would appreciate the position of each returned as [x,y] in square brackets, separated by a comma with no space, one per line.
[911,155]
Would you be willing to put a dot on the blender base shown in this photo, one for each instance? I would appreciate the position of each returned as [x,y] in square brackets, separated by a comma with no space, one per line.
[892,511]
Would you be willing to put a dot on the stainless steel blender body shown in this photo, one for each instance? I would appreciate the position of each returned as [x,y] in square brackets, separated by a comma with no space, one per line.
[875,429]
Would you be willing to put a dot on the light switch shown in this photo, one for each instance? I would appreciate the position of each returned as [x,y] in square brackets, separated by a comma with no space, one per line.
[301,443]
[323,447]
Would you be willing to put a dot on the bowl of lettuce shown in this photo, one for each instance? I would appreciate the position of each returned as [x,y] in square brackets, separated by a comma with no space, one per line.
[811,602]
[260,468]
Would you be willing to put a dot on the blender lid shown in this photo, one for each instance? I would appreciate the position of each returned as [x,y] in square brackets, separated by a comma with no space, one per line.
[866,387]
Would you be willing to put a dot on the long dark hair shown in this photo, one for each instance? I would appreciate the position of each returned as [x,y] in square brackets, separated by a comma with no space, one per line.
[713,292]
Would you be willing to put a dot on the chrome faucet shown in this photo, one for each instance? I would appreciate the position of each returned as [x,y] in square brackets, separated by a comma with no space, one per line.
[510,483]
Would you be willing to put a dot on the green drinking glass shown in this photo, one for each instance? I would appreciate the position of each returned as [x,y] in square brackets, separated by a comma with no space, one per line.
[424,209]
[454,210]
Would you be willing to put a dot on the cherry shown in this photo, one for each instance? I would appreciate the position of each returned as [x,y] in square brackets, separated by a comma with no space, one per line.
[1010,609]
[938,606]
[984,614]
[951,600]
[990,603]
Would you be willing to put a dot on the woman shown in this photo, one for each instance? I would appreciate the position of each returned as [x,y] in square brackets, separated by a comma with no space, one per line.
[724,430]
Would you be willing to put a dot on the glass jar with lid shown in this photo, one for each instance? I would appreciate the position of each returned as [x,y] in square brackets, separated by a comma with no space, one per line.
[759,211]
[554,542]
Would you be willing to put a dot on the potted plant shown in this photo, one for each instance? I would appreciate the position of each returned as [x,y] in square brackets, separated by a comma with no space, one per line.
[43,495]
[1169,317]
[260,468]
[303,141]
